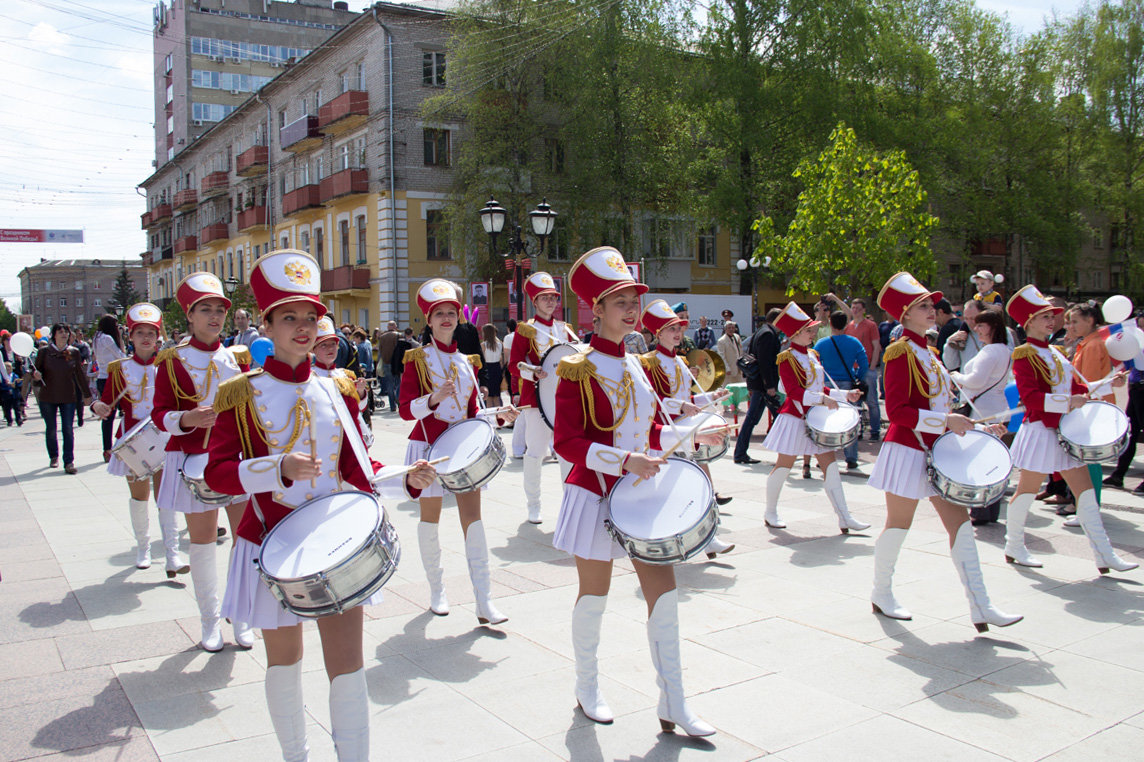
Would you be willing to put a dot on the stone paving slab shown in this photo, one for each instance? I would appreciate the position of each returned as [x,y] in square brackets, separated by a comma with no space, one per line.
[780,650]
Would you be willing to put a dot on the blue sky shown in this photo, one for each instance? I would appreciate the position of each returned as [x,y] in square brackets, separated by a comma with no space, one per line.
[76,131]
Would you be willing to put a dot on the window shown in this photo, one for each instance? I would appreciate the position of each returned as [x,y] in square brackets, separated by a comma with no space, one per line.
[361,239]
[167,64]
[342,160]
[79,318]
[1097,238]
[230,265]
[79,285]
[281,118]
[433,69]
[360,76]
[344,235]
[47,285]
[79,301]
[319,169]
[665,239]
[48,302]
[554,155]
[436,235]
[343,81]
[707,246]
[363,316]
[319,247]
[285,240]
[436,148]
[305,236]
[99,302]
[241,269]
[63,301]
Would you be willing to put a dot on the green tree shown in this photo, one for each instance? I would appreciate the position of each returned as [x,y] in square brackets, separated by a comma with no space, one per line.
[7,318]
[861,217]
[123,293]
[174,319]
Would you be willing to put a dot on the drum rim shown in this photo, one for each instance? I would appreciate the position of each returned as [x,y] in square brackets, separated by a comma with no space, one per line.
[550,350]
[456,424]
[1062,435]
[934,473]
[669,459]
[382,520]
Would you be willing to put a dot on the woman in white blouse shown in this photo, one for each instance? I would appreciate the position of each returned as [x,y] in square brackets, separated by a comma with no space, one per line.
[106,348]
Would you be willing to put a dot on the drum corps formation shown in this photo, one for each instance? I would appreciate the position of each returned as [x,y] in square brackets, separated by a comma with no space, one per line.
[283,451]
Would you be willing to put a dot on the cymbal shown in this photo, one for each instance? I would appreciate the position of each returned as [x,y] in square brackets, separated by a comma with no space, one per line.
[711,372]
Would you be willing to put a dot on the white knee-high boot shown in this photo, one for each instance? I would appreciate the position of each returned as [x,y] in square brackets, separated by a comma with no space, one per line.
[477,553]
[141,526]
[587,618]
[663,638]
[176,564]
[287,710]
[204,577]
[243,632]
[349,716]
[832,484]
[886,550]
[1088,512]
[965,560]
[774,486]
[429,543]
[1015,515]
[532,470]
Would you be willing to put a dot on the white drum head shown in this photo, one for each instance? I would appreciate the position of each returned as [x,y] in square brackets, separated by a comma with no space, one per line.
[708,421]
[1094,424]
[194,466]
[319,535]
[837,421]
[976,459]
[546,387]
[668,504]
[464,442]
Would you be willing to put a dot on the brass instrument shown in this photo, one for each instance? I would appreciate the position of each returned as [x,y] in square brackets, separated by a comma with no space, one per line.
[711,372]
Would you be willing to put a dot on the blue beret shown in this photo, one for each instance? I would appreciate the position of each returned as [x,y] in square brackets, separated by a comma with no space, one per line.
[679,307]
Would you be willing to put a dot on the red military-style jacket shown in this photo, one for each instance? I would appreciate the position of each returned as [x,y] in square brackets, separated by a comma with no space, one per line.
[426,368]
[533,339]
[1045,381]
[187,376]
[918,392]
[138,377]
[803,379]
[671,379]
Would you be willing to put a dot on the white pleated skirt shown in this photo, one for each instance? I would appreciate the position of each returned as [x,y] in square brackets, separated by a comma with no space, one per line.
[1036,448]
[249,600]
[117,467]
[901,471]
[788,437]
[580,526]
[175,495]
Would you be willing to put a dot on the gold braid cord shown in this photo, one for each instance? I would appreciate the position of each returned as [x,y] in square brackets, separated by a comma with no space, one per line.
[579,369]
[169,356]
[1040,367]
[917,373]
[804,379]
[417,357]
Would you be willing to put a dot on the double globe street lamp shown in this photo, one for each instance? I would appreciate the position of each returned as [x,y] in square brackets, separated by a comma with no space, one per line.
[543,221]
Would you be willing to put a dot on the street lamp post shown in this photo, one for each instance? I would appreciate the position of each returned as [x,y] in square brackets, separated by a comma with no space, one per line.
[753,263]
[543,222]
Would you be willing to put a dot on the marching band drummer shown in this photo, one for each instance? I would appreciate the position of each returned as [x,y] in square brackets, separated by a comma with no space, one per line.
[1048,387]
[533,338]
[187,378]
[439,387]
[131,388]
[671,379]
[280,438]
[325,359]
[918,399]
[605,424]
[803,379]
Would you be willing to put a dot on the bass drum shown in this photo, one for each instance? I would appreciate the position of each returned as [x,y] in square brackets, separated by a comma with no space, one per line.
[546,387]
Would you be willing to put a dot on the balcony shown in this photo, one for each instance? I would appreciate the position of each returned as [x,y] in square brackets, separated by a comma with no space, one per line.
[185,200]
[214,184]
[253,161]
[160,213]
[344,279]
[301,198]
[347,111]
[250,218]
[148,258]
[186,243]
[344,183]
[215,232]
[167,253]
[145,220]
[300,135]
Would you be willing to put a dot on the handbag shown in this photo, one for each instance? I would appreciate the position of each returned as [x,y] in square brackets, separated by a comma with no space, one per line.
[862,386]
[749,364]
[966,409]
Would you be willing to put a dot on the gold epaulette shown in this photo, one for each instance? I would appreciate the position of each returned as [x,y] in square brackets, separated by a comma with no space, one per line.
[648,360]
[896,349]
[527,330]
[576,367]
[417,354]
[475,361]
[241,354]
[235,391]
[787,356]
[1024,352]
[166,355]
[350,374]
[813,353]
[345,385]
[935,353]
[115,367]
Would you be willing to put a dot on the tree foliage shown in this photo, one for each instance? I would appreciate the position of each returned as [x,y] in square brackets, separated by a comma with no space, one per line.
[7,318]
[123,293]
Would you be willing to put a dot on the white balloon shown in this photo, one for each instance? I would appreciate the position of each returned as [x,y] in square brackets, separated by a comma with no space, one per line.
[998,278]
[741,264]
[1122,346]
[22,344]
[1117,309]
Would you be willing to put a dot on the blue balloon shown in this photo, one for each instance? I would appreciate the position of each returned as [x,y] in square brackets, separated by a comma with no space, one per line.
[1014,400]
[260,349]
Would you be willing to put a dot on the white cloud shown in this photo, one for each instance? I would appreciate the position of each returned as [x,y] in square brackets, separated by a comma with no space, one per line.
[49,39]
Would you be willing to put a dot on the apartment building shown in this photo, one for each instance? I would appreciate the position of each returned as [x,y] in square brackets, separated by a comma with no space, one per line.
[74,291]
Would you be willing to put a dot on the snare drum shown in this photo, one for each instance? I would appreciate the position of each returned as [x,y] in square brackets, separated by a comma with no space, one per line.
[329,554]
[546,387]
[192,470]
[705,453]
[1095,432]
[666,519]
[142,449]
[475,455]
[832,429]
[970,470]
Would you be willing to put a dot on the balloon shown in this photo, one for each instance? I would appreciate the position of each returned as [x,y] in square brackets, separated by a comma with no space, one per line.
[1014,400]
[260,349]
[1122,346]
[22,344]
[37,333]
[1117,309]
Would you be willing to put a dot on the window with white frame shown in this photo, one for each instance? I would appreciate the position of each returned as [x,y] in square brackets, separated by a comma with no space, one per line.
[665,239]
[706,246]
[436,147]
[433,69]
[360,225]
[436,235]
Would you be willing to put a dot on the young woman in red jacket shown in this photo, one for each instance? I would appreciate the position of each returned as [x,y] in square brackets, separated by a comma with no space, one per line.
[1049,387]
[187,378]
[279,437]
[919,394]
[606,423]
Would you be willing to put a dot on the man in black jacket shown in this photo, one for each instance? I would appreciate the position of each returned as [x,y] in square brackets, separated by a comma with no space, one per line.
[763,384]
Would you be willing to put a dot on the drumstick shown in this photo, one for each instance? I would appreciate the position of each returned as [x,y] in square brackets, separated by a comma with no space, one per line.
[679,441]
[404,470]
[1002,415]
[313,453]
[1107,379]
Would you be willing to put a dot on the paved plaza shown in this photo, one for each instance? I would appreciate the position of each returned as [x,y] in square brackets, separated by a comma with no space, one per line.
[781,652]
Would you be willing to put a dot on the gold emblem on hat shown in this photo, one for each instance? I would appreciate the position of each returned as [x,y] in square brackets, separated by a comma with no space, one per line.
[442,290]
[616,262]
[297,272]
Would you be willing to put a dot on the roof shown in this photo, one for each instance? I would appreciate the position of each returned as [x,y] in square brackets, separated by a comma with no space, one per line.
[109,263]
